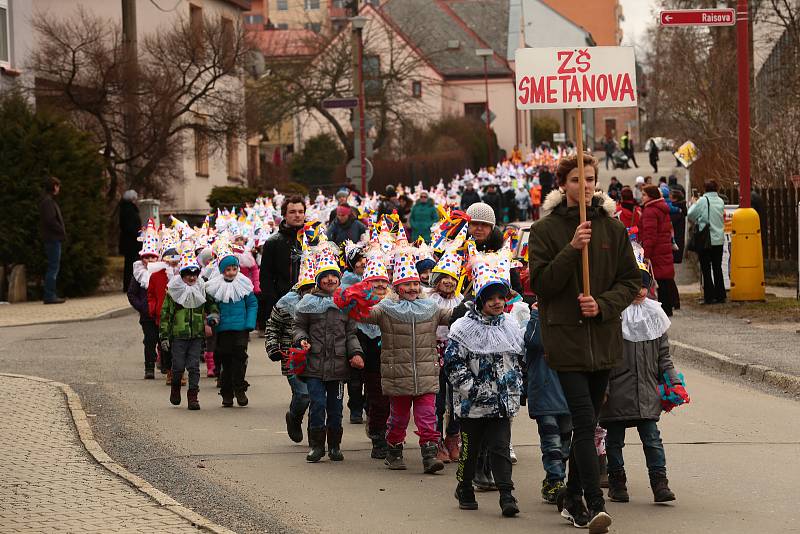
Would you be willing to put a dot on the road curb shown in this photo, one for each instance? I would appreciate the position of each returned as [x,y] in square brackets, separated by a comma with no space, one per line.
[111,314]
[752,371]
[96,451]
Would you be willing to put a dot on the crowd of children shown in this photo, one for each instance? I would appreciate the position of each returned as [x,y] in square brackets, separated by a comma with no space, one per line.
[380,313]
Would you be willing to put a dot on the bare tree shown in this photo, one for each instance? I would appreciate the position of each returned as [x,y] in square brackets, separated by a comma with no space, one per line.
[325,70]
[186,79]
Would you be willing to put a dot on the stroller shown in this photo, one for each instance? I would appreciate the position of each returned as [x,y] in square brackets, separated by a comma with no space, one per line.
[619,160]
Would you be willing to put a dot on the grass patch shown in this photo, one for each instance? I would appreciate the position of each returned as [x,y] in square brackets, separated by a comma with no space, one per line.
[782,280]
[774,309]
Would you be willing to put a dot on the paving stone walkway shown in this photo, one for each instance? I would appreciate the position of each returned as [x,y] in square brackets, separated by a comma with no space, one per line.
[82,309]
[50,483]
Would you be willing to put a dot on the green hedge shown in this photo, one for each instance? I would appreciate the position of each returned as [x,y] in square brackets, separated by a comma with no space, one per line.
[227,196]
[32,147]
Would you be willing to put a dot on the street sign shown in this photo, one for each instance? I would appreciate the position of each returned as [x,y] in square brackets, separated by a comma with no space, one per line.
[698,17]
[354,170]
[560,137]
[591,77]
[687,154]
[492,117]
[340,103]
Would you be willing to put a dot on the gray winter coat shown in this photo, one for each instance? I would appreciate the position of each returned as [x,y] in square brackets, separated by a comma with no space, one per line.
[332,335]
[633,386]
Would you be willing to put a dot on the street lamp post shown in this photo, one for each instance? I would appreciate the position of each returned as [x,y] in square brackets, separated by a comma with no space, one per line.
[358,24]
[485,53]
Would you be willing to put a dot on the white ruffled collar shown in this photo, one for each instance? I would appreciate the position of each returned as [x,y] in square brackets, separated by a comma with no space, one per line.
[224,291]
[481,334]
[186,295]
[443,303]
[141,274]
[644,322]
[155,266]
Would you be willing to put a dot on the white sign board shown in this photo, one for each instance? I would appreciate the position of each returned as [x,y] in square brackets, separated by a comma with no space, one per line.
[560,137]
[590,77]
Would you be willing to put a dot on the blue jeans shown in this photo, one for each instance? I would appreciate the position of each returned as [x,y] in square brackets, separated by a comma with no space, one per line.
[52,249]
[326,400]
[555,438]
[299,403]
[651,443]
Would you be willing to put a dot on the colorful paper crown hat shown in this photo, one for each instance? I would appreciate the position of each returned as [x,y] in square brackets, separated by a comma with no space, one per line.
[169,241]
[326,257]
[376,267]
[405,269]
[484,269]
[307,271]
[188,259]
[452,261]
[222,248]
[150,240]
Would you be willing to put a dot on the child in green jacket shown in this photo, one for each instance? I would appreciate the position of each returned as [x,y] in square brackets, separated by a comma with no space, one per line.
[183,326]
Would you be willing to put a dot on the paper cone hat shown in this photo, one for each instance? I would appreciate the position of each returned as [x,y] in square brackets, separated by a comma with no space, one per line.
[188,259]
[376,267]
[451,263]
[222,248]
[405,269]
[326,258]
[169,240]
[307,271]
[150,240]
[484,269]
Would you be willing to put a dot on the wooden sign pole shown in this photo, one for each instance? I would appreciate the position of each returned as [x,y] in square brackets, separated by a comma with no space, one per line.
[582,182]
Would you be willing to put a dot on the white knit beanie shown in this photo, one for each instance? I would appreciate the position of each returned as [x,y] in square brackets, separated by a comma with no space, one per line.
[481,212]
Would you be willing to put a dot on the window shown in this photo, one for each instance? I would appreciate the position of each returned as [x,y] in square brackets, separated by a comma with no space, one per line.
[416,89]
[228,53]
[282,26]
[5,37]
[311,4]
[201,150]
[338,4]
[315,27]
[254,19]
[475,110]
[283,5]
[196,25]
[373,3]
[232,150]
[372,76]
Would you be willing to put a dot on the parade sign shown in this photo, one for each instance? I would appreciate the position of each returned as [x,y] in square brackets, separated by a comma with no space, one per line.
[698,17]
[687,154]
[575,78]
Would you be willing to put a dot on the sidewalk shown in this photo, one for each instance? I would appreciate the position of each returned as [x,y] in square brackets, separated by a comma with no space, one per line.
[50,481]
[81,309]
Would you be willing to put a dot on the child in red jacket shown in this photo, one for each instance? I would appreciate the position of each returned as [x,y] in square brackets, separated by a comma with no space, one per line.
[160,274]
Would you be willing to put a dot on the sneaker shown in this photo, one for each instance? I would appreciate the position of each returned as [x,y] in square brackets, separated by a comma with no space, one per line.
[465,495]
[572,509]
[241,397]
[441,453]
[508,504]
[551,489]
[512,454]
[149,374]
[227,399]
[394,458]
[356,418]
[599,521]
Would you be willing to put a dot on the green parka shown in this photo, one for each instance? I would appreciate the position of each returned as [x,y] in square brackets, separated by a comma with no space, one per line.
[178,322]
[573,342]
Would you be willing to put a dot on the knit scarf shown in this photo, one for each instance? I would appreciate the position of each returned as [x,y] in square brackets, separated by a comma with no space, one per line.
[141,274]
[407,311]
[312,303]
[644,322]
[224,290]
[186,295]
[484,334]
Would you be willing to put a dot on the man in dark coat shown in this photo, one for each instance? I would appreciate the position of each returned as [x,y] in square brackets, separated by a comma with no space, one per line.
[345,226]
[53,235]
[495,200]
[582,334]
[469,196]
[280,256]
[129,225]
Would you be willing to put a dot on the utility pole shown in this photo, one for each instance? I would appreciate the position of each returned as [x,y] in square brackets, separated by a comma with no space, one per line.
[743,63]
[358,24]
[131,83]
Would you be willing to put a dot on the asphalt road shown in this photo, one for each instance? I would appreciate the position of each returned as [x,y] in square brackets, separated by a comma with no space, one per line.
[732,453]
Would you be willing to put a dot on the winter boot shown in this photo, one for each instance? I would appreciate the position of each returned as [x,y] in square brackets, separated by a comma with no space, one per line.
[356,417]
[453,446]
[209,356]
[508,504]
[175,394]
[316,437]
[241,398]
[334,441]
[191,397]
[551,489]
[430,464]
[379,447]
[572,508]
[441,453]
[227,398]
[183,379]
[149,373]
[660,486]
[394,457]
[617,486]
[169,377]
[484,480]
[465,495]
[599,520]
[603,461]
[294,428]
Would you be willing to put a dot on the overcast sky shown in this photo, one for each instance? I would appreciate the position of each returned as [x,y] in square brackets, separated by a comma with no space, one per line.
[638,15]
